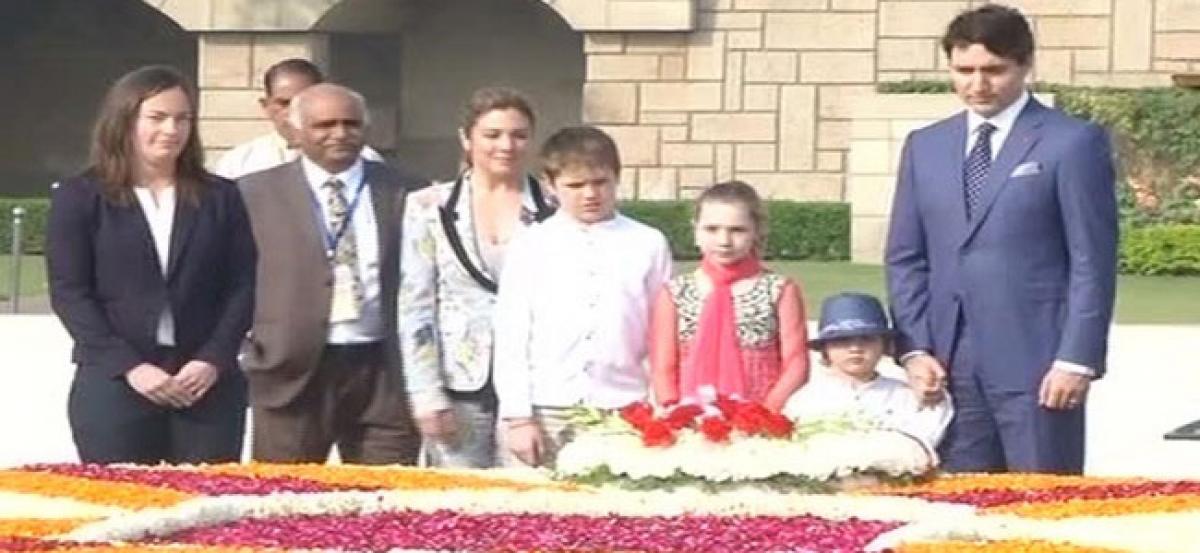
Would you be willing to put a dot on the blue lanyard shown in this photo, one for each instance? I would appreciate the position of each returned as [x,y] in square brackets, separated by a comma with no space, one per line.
[332,237]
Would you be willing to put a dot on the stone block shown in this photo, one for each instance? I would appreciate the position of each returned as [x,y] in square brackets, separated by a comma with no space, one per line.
[686,154]
[833,134]
[869,157]
[1172,66]
[674,133]
[724,165]
[745,40]
[638,145]
[1054,66]
[917,19]
[754,157]
[230,104]
[622,67]
[1133,36]
[895,76]
[735,63]
[1092,60]
[733,127]
[822,187]
[225,60]
[837,67]
[706,56]
[907,53]
[664,118]
[870,129]
[901,106]
[835,101]
[1177,46]
[780,5]
[1072,32]
[820,30]
[870,194]
[649,15]
[724,21]
[677,96]
[609,103]
[227,133]
[714,5]
[1176,15]
[658,183]
[770,67]
[855,5]
[603,43]
[1062,7]
[830,161]
[671,68]
[901,128]
[189,14]
[760,97]
[655,43]
[696,177]
[798,124]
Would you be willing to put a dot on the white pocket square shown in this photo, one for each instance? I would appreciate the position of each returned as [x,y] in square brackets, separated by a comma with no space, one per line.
[1026,169]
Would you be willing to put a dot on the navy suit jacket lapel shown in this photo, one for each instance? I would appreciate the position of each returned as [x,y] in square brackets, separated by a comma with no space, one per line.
[954,147]
[181,230]
[1025,133]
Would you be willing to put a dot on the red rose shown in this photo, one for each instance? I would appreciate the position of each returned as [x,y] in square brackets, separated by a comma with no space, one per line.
[637,414]
[683,416]
[746,421]
[715,429]
[728,406]
[656,434]
[777,426]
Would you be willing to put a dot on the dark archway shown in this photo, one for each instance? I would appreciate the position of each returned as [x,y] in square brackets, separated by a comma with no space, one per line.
[58,58]
[435,52]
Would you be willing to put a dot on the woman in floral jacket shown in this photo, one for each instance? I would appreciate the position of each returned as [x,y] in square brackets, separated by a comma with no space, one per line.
[455,236]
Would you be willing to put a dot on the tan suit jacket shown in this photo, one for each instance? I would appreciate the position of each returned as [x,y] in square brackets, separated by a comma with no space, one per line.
[294,291]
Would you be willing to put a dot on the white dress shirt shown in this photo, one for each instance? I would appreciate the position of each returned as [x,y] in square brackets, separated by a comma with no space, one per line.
[369,326]
[265,152]
[160,216]
[886,400]
[573,311]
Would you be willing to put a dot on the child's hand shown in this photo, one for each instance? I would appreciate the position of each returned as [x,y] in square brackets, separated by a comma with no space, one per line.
[524,439]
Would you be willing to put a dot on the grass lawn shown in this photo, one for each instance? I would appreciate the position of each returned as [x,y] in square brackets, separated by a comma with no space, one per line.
[1140,300]
[33,276]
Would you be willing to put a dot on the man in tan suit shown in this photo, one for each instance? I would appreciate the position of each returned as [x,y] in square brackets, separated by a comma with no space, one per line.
[322,358]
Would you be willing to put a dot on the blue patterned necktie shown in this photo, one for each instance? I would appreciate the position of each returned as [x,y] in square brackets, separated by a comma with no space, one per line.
[975,170]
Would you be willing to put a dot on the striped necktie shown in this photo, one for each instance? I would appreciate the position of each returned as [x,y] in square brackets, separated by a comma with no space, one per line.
[975,170]
[337,210]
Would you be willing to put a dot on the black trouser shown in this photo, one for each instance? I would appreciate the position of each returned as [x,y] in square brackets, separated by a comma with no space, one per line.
[112,423]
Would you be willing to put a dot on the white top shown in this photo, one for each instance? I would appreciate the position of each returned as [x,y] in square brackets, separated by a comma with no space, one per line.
[160,216]
[369,326]
[1003,122]
[265,152]
[572,314]
[888,400]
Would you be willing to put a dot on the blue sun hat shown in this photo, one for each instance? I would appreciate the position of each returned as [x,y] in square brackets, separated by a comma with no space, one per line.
[849,315]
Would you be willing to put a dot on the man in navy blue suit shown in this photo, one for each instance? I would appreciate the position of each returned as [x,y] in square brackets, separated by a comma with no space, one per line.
[1001,258]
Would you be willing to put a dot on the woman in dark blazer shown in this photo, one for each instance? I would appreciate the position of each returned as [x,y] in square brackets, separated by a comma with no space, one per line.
[151,264]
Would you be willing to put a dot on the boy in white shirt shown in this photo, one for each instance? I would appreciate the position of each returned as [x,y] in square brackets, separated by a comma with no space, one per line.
[853,335]
[574,302]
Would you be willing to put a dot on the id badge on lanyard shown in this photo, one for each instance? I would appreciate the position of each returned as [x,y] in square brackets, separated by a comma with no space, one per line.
[347,294]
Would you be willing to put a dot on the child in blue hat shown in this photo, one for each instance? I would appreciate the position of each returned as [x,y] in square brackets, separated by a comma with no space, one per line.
[852,337]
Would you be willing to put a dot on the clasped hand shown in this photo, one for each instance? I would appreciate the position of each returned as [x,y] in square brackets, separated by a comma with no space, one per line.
[179,391]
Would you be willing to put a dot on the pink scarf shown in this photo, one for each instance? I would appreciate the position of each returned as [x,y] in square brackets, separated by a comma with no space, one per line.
[716,358]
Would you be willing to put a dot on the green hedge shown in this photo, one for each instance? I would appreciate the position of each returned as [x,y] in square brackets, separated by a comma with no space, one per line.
[1160,250]
[817,231]
[33,224]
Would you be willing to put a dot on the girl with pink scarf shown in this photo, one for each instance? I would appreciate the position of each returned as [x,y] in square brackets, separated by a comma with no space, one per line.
[732,326]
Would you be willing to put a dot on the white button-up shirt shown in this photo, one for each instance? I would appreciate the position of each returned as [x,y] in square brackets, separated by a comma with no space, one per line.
[369,326]
[265,152]
[160,217]
[573,311]
[1003,122]
[883,399]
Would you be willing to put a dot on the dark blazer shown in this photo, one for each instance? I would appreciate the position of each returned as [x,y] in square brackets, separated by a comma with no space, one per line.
[1034,272]
[291,314]
[108,290]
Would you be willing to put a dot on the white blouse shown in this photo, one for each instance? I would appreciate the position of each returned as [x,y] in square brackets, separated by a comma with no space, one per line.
[160,216]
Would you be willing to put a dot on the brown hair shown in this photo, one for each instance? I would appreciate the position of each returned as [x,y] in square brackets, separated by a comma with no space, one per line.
[737,192]
[494,98]
[112,152]
[575,146]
